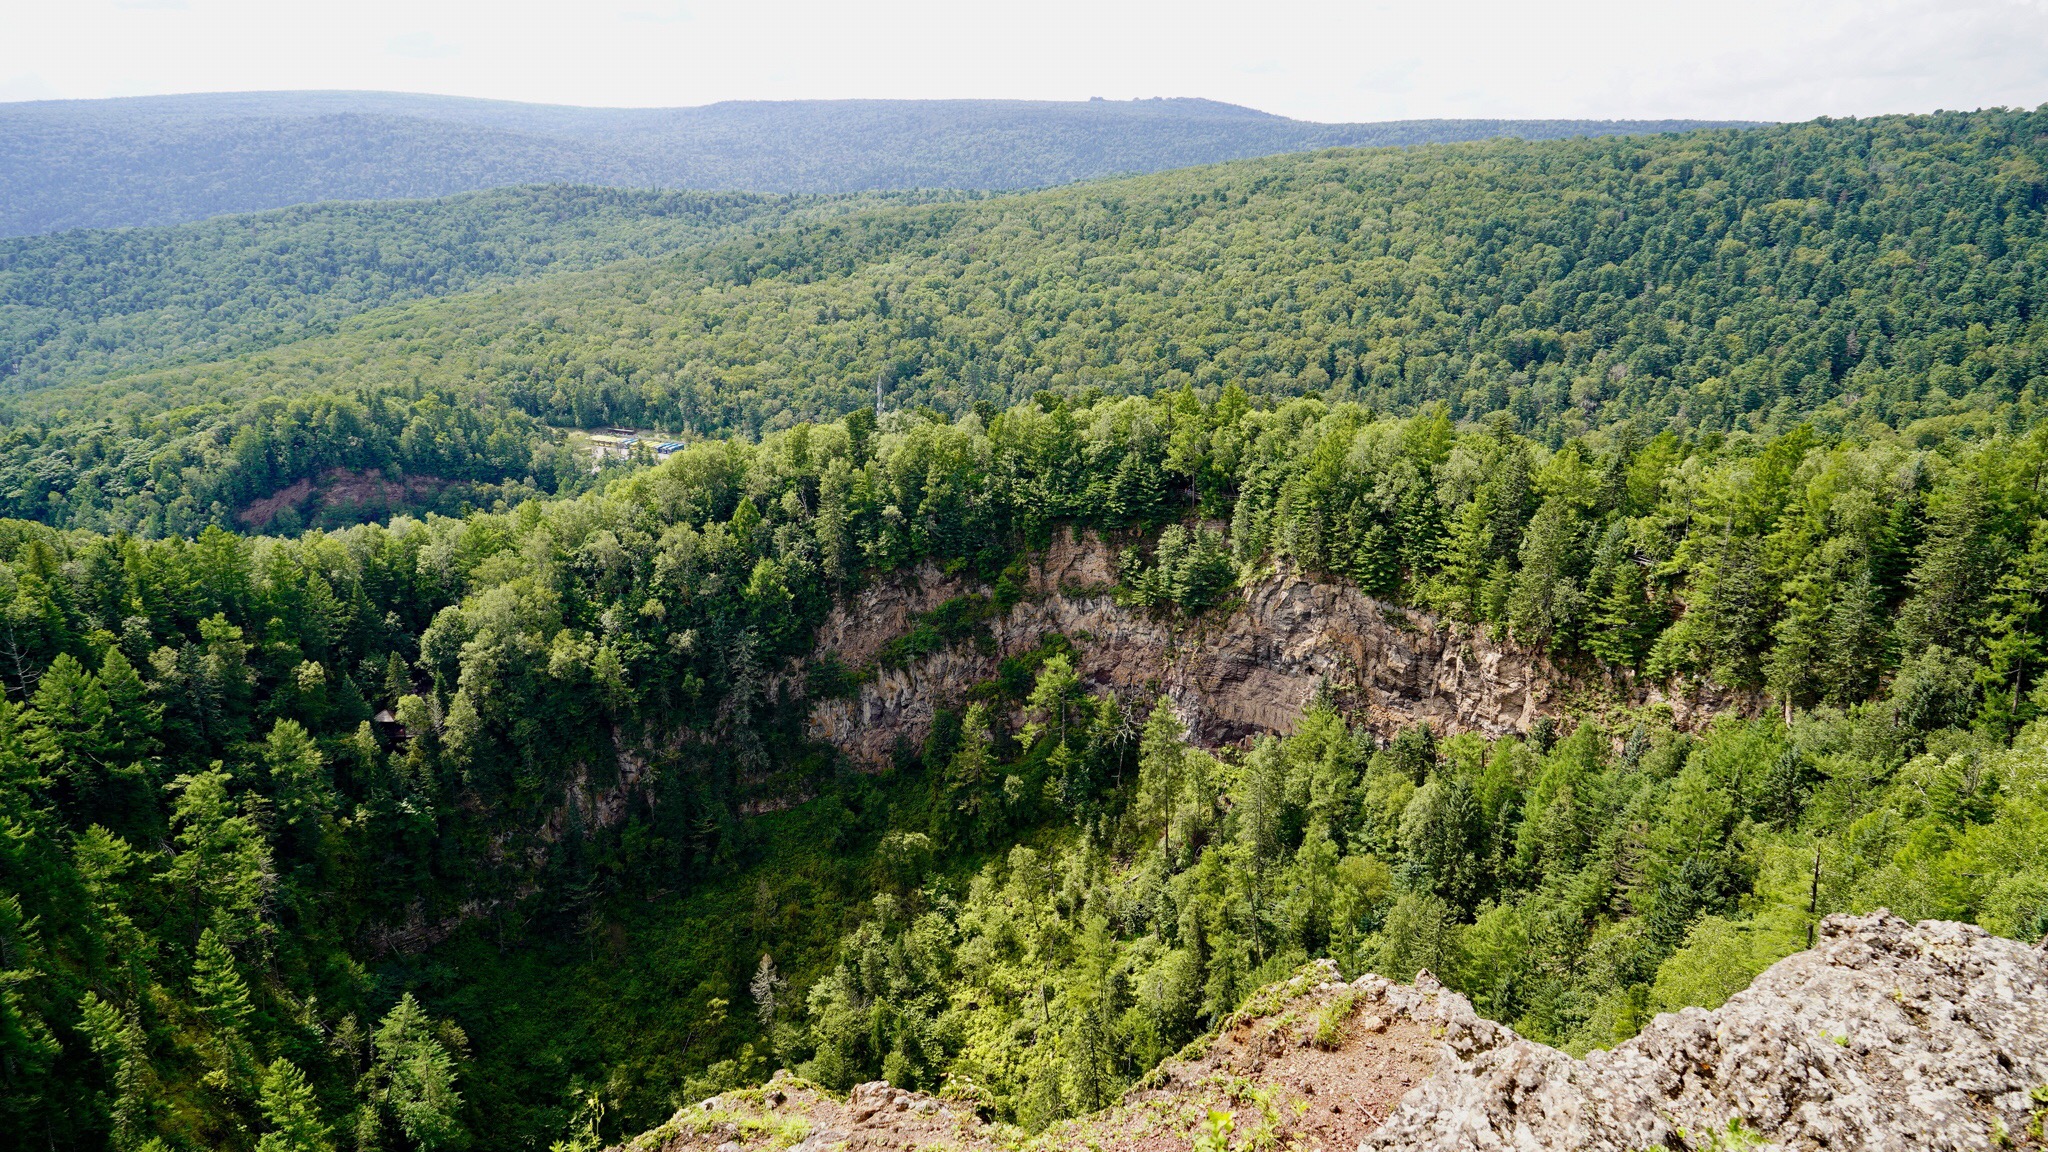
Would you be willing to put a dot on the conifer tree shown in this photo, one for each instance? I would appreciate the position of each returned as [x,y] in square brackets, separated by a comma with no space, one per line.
[292,1111]
[1623,621]
[221,868]
[1849,666]
[415,1078]
[132,718]
[27,1048]
[1545,608]
[1950,574]
[300,788]
[969,808]
[69,734]
[219,992]
[118,1041]
[2014,643]
[766,989]
[1162,757]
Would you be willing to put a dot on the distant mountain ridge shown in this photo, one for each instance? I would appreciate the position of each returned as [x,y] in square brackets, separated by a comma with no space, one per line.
[168,159]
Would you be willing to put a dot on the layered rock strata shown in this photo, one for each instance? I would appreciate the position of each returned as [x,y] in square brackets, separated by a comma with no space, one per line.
[1242,670]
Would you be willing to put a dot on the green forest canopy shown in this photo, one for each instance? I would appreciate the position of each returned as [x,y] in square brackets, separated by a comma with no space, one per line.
[221,854]
[1886,271]
[1754,408]
[83,305]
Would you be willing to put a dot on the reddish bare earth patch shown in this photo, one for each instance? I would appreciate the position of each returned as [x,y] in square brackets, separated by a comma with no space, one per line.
[339,488]
[1281,1088]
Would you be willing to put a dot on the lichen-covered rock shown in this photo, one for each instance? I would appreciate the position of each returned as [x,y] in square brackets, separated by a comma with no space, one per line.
[1886,1035]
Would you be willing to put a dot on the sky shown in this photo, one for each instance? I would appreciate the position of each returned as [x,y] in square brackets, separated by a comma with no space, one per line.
[1328,60]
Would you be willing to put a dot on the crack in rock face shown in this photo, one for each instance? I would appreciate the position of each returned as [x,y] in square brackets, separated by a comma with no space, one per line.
[1244,670]
[1884,1036]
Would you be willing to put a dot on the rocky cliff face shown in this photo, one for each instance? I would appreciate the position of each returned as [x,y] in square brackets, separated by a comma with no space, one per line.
[1886,1035]
[1231,674]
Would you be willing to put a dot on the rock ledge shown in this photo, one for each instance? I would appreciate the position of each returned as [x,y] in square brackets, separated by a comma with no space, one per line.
[1886,1035]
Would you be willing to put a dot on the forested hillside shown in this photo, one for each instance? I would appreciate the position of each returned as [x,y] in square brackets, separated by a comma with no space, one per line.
[1883,271]
[81,305]
[507,828]
[167,159]
[226,865]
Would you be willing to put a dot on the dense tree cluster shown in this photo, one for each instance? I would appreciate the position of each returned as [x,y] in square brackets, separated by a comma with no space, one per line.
[158,477]
[1884,271]
[1571,884]
[81,305]
[216,837]
[85,305]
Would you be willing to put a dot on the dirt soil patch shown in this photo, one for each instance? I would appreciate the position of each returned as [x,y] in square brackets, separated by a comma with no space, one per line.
[1281,1086]
[339,488]
[1311,1065]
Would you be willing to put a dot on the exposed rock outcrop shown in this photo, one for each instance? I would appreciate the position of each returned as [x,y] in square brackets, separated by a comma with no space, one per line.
[1885,1035]
[1231,674]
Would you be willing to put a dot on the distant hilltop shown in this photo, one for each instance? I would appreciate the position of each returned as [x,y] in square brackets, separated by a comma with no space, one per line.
[166,159]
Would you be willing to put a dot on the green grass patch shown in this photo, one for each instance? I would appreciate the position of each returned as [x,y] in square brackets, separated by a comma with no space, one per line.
[1335,1022]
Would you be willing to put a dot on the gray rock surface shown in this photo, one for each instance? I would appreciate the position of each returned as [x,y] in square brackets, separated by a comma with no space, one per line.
[1886,1035]
[1243,672]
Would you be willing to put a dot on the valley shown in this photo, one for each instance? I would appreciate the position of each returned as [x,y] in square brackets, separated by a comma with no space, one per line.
[1449,645]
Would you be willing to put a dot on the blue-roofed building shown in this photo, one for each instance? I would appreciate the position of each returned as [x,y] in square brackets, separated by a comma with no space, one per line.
[614,444]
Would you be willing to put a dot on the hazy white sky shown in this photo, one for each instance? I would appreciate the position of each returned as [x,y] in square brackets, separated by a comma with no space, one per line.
[1316,59]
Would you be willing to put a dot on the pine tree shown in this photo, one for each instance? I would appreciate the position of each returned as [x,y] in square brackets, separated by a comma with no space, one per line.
[2014,643]
[68,732]
[1800,643]
[1952,572]
[292,1111]
[1623,621]
[1091,1006]
[132,719]
[221,868]
[766,988]
[968,808]
[26,1046]
[1467,561]
[397,679]
[1162,757]
[220,994]
[1055,698]
[1724,630]
[1442,841]
[298,777]
[117,1039]
[1545,606]
[415,1077]
[1849,667]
